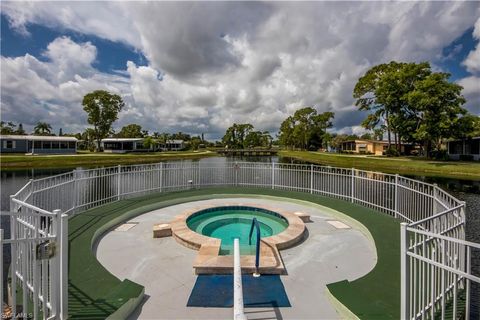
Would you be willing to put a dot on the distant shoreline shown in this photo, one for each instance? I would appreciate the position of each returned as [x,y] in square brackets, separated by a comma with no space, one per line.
[19,162]
[395,165]
[400,165]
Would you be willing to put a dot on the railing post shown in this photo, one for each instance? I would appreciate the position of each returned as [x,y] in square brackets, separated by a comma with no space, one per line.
[396,196]
[463,215]
[75,191]
[311,178]
[24,267]
[199,174]
[119,177]
[161,176]
[404,273]
[435,200]
[467,289]
[235,169]
[64,267]
[55,276]
[352,197]
[273,175]
[13,250]
[1,269]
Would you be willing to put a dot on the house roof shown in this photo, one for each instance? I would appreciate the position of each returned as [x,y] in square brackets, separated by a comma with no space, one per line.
[37,138]
[136,140]
[364,141]
[472,138]
[122,139]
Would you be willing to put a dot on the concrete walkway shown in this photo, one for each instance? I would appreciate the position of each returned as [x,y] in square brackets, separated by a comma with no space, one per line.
[164,267]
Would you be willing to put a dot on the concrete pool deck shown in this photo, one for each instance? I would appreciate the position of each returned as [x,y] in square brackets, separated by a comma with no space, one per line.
[329,254]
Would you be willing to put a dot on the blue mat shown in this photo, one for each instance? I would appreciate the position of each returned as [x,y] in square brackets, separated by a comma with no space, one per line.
[217,291]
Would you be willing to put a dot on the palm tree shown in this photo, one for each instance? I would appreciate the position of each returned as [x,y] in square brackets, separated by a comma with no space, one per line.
[164,137]
[149,143]
[43,128]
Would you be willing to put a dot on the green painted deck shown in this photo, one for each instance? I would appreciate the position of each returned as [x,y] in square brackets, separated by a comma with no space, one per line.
[94,293]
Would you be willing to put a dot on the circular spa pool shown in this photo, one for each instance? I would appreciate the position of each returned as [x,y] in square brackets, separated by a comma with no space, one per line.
[230,222]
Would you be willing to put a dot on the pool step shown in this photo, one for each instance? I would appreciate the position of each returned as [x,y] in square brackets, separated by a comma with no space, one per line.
[162,230]
[304,216]
[209,262]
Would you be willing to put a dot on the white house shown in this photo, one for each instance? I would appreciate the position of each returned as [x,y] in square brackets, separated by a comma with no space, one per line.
[38,144]
[122,145]
[173,145]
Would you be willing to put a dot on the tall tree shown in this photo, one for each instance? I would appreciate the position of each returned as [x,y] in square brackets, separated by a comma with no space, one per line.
[382,90]
[102,108]
[235,135]
[469,126]
[285,137]
[42,128]
[305,129]
[266,139]
[258,139]
[7,127]
[438,105]
[131,131]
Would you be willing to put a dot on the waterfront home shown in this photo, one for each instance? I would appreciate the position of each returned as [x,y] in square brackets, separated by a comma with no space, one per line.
[172,145]
[375,147]
[38,144]
[464,149]
[123,145]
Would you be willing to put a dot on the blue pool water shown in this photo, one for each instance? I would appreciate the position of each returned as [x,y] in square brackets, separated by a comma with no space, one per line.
[230,222]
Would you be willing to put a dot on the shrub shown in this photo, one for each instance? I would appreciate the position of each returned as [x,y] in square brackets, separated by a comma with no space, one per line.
[440,155]
[392,152]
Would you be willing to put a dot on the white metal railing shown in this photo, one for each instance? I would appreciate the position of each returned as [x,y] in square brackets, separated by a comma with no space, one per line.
[435,221]
[42,279]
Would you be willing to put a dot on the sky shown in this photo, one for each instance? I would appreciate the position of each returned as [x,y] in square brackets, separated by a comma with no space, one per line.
[200,67]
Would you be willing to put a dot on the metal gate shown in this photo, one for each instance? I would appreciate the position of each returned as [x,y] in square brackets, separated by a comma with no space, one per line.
[38,277]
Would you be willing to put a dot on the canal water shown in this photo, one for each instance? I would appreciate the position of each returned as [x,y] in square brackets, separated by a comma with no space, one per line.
[466,190]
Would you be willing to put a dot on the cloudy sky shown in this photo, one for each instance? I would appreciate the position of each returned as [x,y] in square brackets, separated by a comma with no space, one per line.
[199,67]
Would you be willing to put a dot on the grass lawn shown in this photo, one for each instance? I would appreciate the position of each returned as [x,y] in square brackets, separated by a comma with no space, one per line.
[94,293]
[400,165]
[89,159]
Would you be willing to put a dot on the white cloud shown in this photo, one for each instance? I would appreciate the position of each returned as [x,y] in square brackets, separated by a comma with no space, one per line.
[215,63]
[52,91]
[107,20]
[472,62]
[71,58]
[471,84]
[471,91]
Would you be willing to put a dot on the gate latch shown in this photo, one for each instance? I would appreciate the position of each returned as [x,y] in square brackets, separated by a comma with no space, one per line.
[45,250]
